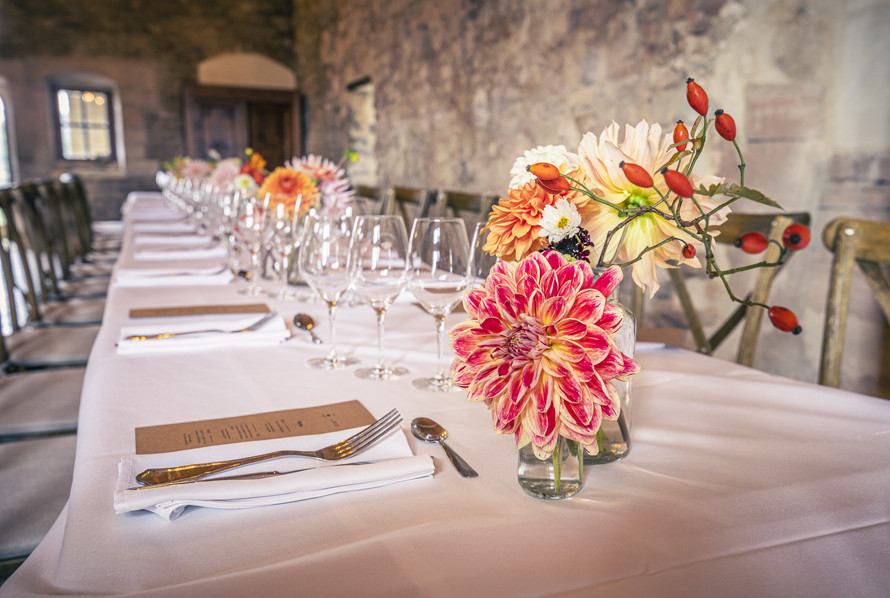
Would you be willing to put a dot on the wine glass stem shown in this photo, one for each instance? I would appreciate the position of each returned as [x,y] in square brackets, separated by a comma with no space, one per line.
[332,307]
[381,314]
[440,337]
[284,269]
[254,266]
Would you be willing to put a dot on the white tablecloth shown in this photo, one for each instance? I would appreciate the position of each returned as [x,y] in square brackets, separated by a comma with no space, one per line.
[739,483]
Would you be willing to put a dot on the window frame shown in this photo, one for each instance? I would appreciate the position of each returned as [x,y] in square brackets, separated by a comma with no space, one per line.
[55,88]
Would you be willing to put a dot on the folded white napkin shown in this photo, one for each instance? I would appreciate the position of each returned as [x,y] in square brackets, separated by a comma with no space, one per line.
[388,462]
[163,227]
[153,255]
[273,332]
[152,214]
[172,277]
[108,227]
[175,240]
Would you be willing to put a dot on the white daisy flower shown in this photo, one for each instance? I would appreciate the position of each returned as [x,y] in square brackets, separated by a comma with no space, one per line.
[560,221]
[552,154]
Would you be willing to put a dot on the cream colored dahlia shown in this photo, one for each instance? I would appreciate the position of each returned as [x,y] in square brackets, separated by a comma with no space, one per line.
[645,146]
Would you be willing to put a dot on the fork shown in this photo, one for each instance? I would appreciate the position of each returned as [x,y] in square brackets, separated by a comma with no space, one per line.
[256,325]
[335,452]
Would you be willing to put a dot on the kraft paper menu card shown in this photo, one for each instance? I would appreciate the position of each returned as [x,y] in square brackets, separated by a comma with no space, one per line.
[199,310]
[260,426]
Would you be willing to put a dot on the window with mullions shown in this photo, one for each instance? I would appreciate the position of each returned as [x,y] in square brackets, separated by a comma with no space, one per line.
[5,164]
[85,125]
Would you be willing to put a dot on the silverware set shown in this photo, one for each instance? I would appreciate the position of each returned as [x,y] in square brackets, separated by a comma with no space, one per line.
[255,326]
[335,452]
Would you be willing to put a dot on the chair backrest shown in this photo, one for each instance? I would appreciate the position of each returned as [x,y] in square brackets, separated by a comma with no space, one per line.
[771,225]
[867,244]
[36,235]
[472,207]
[74,199]
[406,202]
[13,256]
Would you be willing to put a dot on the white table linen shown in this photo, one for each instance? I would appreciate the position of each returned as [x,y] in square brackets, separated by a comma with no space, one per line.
[739,483]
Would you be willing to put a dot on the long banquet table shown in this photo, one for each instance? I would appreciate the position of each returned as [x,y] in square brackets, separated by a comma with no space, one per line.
[739,483]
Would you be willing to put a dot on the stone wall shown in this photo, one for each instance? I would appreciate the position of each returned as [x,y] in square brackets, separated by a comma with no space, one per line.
[149,48]
[464,86]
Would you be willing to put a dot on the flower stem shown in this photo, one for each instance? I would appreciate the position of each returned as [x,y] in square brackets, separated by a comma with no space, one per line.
[557,463]
[742,165]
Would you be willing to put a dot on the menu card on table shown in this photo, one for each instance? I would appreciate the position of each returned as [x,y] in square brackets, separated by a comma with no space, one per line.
[199,310]
[261,426]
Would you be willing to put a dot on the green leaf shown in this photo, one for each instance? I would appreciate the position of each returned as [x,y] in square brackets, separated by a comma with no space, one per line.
[715,189]
[674,158]
[752,194]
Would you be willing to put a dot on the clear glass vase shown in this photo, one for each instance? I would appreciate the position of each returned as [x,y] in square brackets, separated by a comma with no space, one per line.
[614,437]
[559,476]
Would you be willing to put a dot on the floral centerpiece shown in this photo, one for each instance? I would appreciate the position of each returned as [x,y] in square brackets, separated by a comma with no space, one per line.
[540,346]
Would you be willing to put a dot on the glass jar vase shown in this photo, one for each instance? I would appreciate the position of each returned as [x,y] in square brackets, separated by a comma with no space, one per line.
[614,436]
[559,476]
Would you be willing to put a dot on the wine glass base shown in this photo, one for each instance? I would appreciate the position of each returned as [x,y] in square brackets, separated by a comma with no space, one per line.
[326,363]
[436,385]
[384,373]
[254,292]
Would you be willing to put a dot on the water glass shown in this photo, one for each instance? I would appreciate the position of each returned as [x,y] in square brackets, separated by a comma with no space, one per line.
[439,260]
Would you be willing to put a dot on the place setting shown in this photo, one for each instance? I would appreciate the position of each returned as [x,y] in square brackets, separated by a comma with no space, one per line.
[265,459]
[198,328]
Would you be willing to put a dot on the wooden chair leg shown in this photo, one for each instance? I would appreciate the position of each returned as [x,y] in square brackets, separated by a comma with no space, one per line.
[751,330]
[838,302]
[698,332]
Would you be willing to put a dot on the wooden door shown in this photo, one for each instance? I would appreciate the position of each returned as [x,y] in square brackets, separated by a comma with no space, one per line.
[230,119]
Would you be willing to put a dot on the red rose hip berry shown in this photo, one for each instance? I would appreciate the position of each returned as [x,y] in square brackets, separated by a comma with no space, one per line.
[784,319]
[752,242]
[688,251]
[543,170]
[558,186]
[725,125]
[796,237]
[636,174]
[681,133]
[696,97]
[677,182]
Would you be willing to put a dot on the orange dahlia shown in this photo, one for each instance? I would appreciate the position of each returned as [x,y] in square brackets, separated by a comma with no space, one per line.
[514,222]
[287,186]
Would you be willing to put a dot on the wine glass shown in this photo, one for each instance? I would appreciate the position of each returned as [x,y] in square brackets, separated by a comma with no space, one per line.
[250,228]
[285,234]
[377,260]
[439,260]
[482,261]
[323,263]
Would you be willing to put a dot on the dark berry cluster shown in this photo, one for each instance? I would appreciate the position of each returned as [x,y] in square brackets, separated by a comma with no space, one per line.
[576,246]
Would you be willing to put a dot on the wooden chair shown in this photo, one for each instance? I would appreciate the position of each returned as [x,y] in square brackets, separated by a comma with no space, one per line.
[36,289]
[736,225]
[408,203]
[472,207]
[864,243]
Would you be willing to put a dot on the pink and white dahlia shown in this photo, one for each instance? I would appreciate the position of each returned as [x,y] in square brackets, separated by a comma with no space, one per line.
[334,189]
[195,169]
[538,349]
[225,172]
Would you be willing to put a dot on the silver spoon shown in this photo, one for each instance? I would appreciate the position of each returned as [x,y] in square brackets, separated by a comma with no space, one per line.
[305,322]
[427,430]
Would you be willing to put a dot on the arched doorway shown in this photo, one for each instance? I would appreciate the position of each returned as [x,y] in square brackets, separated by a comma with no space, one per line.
[243,100]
